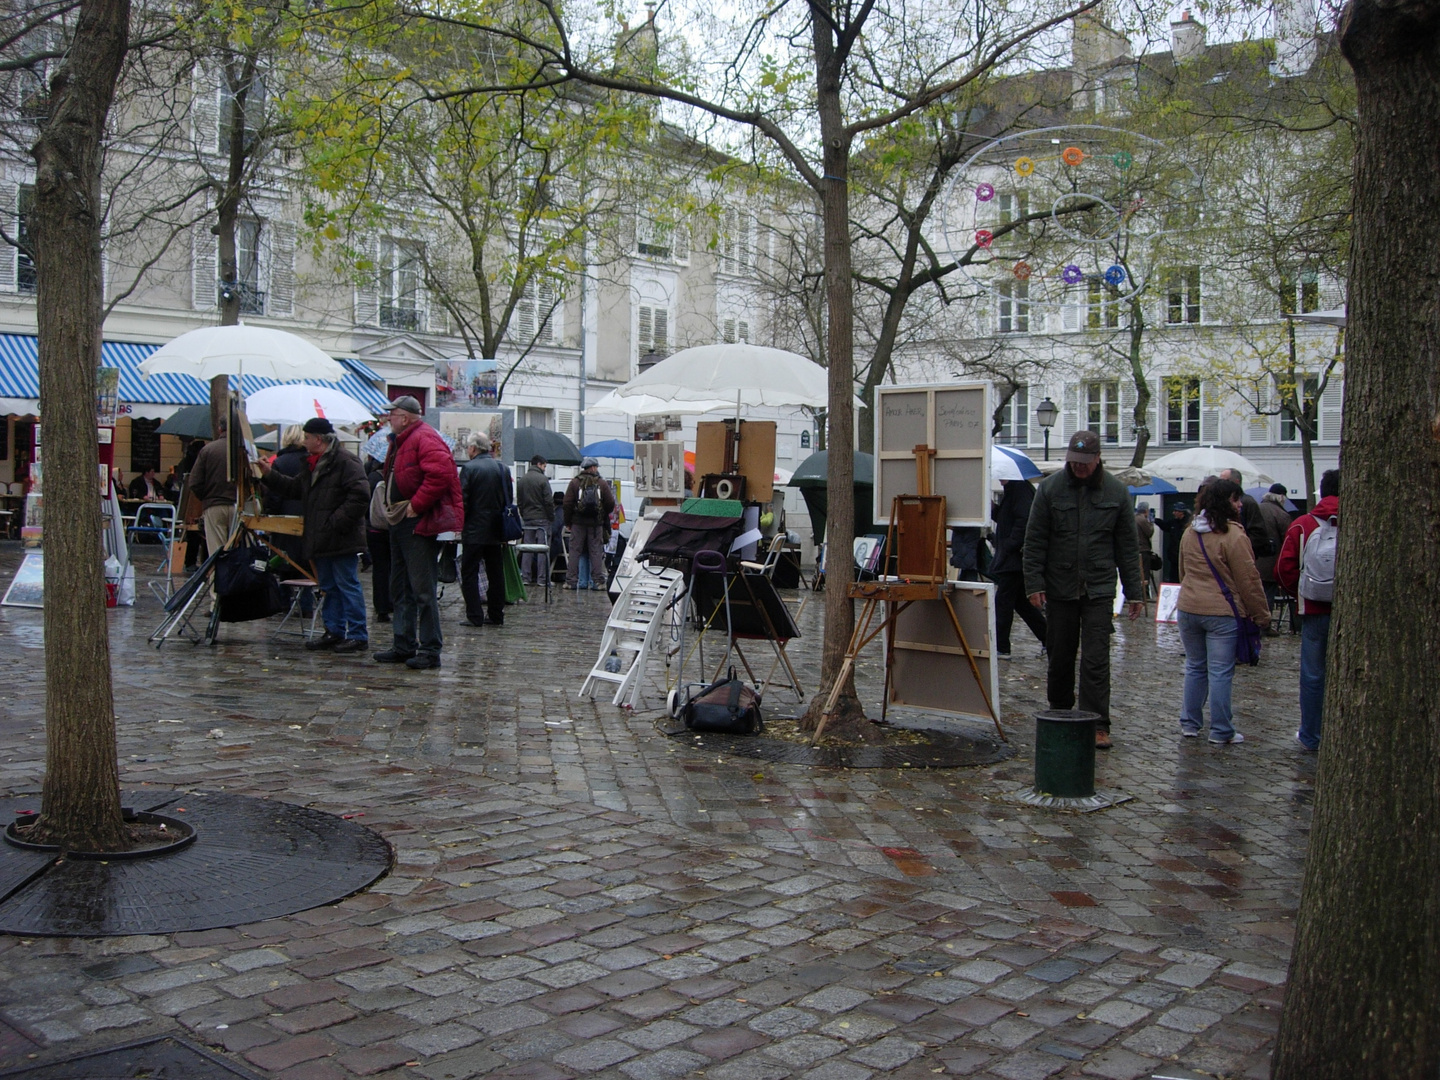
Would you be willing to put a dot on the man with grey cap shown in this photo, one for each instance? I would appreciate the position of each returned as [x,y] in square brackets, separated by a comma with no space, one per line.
[420,475]
[335,495]
[485,487]
[588,502]
[1082,529]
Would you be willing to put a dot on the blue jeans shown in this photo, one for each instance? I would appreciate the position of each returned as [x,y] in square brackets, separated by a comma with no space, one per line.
[1209,642]
[344,611]
[413,564]
[1314,637]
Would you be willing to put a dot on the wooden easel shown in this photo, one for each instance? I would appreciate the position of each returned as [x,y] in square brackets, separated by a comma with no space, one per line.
[915,545]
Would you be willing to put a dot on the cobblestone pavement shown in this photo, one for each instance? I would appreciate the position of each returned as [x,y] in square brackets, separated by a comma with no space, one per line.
[576,895]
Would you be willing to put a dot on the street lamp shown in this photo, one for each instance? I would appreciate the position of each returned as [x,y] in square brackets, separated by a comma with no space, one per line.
[1045,414]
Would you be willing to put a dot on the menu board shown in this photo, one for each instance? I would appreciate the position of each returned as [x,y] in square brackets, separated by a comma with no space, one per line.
[953,421]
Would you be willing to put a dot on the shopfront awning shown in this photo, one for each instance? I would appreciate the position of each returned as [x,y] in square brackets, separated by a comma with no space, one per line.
[156,397]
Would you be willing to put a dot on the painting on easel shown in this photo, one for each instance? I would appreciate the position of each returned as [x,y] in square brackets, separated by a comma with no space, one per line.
[951,420]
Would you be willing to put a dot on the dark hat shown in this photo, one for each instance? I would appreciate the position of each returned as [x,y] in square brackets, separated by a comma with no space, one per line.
[1083,448]
[406,402]
[589,463]
[1278,489]
[318,425]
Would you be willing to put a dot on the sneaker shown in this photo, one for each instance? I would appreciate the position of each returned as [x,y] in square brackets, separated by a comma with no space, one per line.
[1233,737]
[567,586]
[350,645]
[326,640]
[390,656]
[421,661]
[1190,733]
[1002,656]
[1307,749]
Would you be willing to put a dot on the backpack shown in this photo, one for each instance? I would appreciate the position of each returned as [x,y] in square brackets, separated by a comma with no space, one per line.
[588,505]
[1317,562]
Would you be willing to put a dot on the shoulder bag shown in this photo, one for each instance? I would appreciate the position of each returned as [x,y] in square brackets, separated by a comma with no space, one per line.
[1247,634]
[384,514]
[725,707]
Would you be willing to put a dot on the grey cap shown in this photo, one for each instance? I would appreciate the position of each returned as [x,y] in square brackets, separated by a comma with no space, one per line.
[586,463]
[406,402]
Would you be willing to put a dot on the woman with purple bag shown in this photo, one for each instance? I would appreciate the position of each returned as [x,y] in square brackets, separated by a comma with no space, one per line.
[1222,609]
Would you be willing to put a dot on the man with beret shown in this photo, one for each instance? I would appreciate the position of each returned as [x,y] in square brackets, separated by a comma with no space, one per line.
[1081,530]
[336,497]
[421,476]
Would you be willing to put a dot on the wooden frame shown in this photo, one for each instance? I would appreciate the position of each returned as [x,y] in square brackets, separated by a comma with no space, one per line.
[951,419]
[928,668]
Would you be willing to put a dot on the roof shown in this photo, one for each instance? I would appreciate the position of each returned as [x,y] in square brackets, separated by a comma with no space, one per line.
[20,376]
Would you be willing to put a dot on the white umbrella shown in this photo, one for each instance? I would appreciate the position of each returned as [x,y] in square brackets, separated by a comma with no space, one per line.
[242,350]
[294,403]
[649,405]
[740,373]
[1332,317]
[1201,461]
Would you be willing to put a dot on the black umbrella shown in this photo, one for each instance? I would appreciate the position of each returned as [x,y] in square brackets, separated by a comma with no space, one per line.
[191,422]
[551,445]
[813,481]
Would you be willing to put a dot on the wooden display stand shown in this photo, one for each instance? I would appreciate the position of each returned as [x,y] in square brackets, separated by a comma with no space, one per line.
[915,550]
[737,448]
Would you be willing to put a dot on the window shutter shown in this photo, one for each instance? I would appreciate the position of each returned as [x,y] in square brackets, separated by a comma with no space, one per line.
[367,287]
[1128,397]
[9,255]
[727,333]
[565,421]
[204,267]
[662,330]
[205,109]
[646,333]
[280,295]
[1331,404]
[1152,414]
[742,330]
[1257,425]
[548,312]
[525,313]
[729,240]
[1209,414]
[1070,412]
[1070,310]
[746,254]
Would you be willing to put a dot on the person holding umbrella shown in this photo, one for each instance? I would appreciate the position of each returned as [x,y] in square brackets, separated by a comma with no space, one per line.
[335,497]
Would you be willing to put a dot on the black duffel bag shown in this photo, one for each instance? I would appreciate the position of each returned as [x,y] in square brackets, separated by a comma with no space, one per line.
[246,587]
[726,707]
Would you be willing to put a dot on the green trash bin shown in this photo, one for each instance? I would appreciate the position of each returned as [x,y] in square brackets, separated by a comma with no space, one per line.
[1065,753]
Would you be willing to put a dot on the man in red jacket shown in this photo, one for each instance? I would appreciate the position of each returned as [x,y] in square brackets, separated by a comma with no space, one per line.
[419,470]
[1314,614]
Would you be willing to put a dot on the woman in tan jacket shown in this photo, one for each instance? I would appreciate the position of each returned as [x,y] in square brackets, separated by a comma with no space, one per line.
[1207,623]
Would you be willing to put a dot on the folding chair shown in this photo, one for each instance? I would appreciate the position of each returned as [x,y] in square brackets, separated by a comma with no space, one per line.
[299,588]
[157,520]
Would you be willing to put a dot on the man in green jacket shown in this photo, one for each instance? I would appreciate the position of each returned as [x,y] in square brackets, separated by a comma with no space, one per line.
[1082,529]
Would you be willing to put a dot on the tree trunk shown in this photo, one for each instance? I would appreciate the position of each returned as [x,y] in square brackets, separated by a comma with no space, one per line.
[840,438]
[81,800]
[1364,990]
[1143,434]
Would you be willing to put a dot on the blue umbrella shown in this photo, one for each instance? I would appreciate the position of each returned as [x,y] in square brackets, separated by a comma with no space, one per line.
[611,448]
[1156,486]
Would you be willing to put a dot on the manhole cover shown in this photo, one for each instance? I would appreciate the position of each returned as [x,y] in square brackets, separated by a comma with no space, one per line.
[254,859]
[167,1058]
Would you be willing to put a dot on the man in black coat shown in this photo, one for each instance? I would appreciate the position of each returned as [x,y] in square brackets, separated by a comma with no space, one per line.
[336,499]
[1007,569]
[485,487]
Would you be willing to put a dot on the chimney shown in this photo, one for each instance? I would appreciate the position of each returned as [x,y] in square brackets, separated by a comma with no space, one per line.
[1187,38]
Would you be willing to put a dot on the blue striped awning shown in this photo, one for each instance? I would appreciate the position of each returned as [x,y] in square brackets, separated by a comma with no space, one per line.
[20,376]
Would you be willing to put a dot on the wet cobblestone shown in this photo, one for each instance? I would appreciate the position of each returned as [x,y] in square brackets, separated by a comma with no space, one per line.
[576,895]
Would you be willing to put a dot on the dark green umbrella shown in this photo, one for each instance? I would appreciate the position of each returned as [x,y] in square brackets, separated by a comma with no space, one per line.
[551,445]
[191,422]
[813,481]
